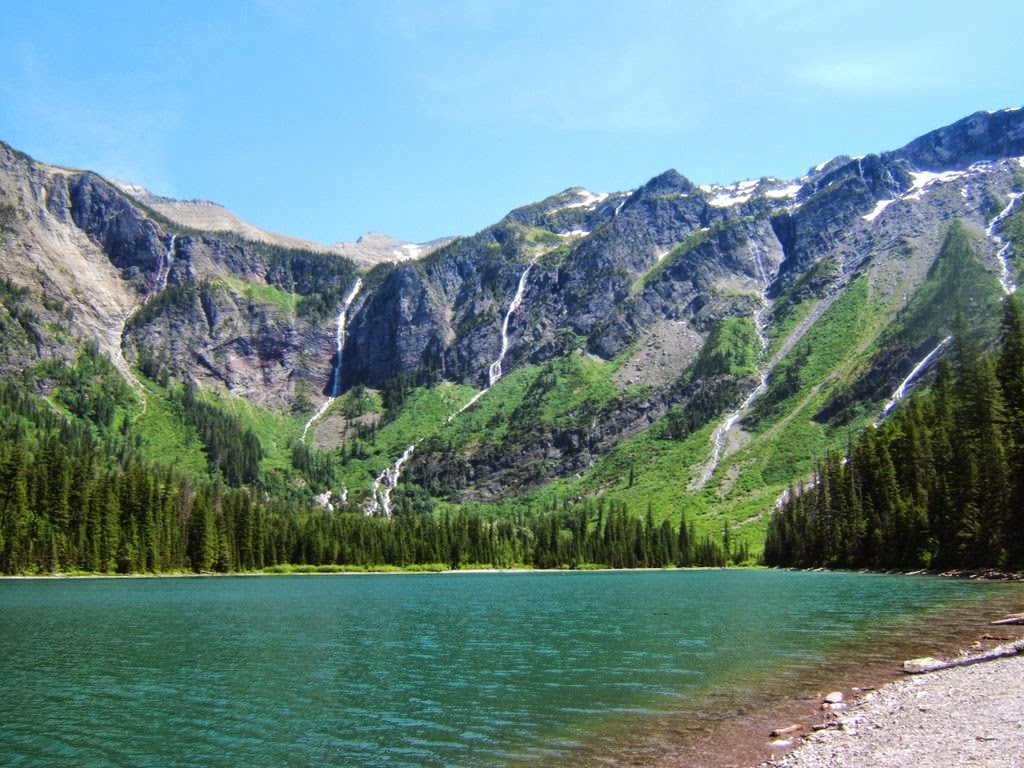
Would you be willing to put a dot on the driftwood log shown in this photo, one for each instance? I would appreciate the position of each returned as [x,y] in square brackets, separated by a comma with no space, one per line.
[1017,618]
[928,664]
[787,731]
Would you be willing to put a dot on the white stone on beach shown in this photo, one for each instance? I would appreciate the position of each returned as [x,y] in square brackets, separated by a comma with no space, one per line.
[965,715]
[921,665]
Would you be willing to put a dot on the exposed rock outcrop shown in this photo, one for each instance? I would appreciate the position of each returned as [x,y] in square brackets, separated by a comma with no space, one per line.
[614,276]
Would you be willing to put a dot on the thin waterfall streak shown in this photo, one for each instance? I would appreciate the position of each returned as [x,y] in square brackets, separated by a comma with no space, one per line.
[1002,254]
[339,336]
[339,342]
[720,435]
[495,373]
[472,401]
[903,388]
[386,482]
[388,479]
[164,272]
[316,416]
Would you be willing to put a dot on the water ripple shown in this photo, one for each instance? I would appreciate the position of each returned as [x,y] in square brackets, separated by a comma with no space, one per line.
[504,669]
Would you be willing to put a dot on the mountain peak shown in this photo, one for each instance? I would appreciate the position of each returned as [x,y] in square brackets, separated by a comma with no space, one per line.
[372,248]
[378,239]
[671,181]
[981,137]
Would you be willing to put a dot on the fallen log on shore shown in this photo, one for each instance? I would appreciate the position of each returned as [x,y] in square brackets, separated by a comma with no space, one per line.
[789,730]
[928,664]
[1017,618]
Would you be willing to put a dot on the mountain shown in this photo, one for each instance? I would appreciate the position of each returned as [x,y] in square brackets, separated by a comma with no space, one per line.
[203,215]
[675,347]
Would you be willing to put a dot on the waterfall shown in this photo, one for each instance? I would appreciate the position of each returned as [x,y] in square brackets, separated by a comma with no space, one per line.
[472,401]
[339,342]
[721,433]
[1005,272]
[165,266]
[495,370]
[120,362]
[388,479]
[339,336]
[901,390]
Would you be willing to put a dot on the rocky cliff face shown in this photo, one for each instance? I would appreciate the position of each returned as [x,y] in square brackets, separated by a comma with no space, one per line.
[642,282]
[206,216]
[610,268]
[611,272]
[95,265]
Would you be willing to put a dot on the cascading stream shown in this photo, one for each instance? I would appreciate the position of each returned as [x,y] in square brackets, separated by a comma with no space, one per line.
[160,284]
[1003,252]
[163,273]
[165,267]
[339,341]
[494,373]
[388,479]
[916,371]
[721,433]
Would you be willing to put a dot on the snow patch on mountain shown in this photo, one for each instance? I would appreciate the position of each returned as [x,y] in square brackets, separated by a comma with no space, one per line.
[880,206]
[924,179]
[743,191]
[588,200]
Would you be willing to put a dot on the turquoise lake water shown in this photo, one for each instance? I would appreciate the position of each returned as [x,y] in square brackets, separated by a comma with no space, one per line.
[500,669]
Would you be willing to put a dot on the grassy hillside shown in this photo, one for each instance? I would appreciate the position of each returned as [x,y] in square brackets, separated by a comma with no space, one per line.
[530,447]
[785,433]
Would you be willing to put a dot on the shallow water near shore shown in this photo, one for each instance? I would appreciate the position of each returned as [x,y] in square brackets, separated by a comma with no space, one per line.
[509,669]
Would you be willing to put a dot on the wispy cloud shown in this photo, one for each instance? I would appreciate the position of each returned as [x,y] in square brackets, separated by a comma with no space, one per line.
[126,138]
[876,72]
[619,93]
[614,71]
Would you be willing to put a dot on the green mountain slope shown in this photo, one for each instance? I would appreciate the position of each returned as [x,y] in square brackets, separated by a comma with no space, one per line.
[567,385]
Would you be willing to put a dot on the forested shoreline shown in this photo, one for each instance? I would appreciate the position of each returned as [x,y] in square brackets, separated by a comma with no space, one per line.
[938,485]
[71,502]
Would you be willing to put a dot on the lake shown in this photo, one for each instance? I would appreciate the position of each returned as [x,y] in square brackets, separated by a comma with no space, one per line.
[502,669]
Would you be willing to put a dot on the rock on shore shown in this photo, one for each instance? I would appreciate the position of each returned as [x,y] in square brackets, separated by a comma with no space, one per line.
[968,715]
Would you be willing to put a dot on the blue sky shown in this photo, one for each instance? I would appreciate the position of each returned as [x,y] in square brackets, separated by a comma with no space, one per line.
[424,118]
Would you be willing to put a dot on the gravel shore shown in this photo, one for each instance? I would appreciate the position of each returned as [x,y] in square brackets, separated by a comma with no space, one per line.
[963,716]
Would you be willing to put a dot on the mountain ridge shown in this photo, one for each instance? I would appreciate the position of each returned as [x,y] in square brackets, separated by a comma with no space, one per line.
[205,215]
[731,331]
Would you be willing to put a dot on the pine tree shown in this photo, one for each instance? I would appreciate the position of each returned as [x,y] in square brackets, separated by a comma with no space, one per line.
[684,547]
[1010,369]
[202,535]
[987,415]
[15,513]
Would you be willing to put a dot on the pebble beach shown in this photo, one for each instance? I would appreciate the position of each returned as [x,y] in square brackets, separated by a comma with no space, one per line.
[961,716]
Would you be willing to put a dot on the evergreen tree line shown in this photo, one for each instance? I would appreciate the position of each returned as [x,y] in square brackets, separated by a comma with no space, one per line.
[67,504]
[231,448]
[618,539]
[939,484]
[91,389]
[61,510]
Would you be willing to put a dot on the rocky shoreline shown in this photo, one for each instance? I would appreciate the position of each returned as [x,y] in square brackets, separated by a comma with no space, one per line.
[965,711]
